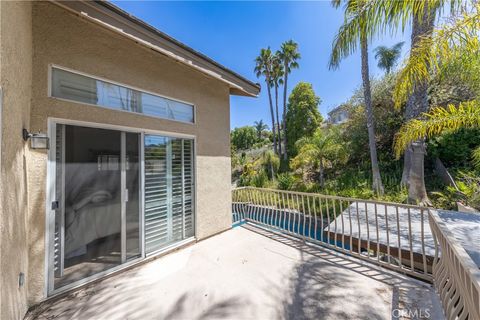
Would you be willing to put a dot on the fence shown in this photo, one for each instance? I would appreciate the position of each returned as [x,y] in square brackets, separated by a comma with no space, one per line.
[456,277]
[406,238]
[389,234]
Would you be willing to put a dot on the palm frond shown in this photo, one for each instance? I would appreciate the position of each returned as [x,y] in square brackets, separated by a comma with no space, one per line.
[362,19]
[465,115]
[460,35]
[476,157]
[387,57]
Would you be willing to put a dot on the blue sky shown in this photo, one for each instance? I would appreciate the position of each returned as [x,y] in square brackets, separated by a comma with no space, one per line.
[233,33]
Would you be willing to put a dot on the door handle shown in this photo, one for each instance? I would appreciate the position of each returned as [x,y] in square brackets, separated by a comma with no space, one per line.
[126,195]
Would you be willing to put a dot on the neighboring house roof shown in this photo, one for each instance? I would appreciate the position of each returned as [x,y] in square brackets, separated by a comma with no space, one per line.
[117,20]
[341,107]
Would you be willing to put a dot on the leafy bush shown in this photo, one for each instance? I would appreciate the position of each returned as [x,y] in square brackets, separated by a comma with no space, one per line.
[243,138]
[260,179]
[468,184]
[270,163]
[455,148]
[286,181]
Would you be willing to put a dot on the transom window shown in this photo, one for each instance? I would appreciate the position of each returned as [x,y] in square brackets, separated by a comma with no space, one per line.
[80,88]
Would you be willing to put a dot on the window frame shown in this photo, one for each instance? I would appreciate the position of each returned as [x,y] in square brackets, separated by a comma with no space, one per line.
[50,95]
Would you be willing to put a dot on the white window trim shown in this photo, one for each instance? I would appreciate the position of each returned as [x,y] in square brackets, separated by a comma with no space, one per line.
[49,94]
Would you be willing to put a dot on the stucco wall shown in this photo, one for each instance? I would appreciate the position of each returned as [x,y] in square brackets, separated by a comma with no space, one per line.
[66,40]
[15,81]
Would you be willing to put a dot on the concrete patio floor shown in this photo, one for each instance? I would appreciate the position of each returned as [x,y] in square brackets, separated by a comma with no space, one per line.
[249,273]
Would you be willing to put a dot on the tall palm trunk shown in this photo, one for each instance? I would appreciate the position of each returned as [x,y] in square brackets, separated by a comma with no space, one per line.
[416,188]
[278,122]
[272,115]
[413,163]
[284,121]
[377,180]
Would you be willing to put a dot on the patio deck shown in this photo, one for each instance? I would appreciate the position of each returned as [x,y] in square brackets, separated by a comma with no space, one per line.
[249,273]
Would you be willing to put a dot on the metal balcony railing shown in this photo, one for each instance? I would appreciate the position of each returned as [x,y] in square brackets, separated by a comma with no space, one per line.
[456,277]
[406,238]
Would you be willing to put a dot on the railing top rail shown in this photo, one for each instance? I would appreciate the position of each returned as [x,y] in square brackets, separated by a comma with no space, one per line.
[464,258]
[311,194]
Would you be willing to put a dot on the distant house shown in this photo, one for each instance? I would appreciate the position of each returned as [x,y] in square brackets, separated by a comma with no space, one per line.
[114,146]
[338,115]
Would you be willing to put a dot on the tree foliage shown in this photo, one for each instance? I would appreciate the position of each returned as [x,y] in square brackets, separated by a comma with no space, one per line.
[389,121]
[455,40]
[260,127]
[302,117]
[465,115]
[324,149]
[358,27]
[264,65]
[455,148]
[387,57]
[289,55]
[243,138]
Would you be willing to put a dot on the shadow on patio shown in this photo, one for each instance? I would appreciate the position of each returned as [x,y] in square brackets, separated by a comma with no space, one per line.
[248,273]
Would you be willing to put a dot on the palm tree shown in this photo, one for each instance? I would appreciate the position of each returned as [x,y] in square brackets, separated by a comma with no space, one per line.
[277,73]
[260,126]
[289,55]
[356,29]
[263,67]
[436,121]
[270,162]
[412,84]
[457,40]
[387,57]
[417,103]
[321,150]
[454,41]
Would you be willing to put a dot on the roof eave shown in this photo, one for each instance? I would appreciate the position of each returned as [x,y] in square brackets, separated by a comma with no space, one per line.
[115,19]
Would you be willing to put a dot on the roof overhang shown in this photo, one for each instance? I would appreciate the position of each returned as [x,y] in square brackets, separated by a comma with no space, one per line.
[117,20]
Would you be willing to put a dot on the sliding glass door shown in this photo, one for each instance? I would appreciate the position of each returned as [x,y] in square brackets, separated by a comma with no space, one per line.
[168,191]
[97,215]
[105,210]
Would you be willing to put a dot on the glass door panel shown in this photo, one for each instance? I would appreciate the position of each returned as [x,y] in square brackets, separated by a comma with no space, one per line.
[95,228]
[157,192]
[168,191]
[132,194]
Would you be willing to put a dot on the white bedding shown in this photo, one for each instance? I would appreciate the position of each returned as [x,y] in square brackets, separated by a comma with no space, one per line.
[93,205]
[91,222]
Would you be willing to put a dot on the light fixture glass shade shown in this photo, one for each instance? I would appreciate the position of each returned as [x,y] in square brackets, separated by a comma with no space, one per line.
[39,141]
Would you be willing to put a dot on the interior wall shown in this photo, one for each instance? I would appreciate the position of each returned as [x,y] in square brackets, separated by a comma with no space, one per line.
[64,39]
[15,81]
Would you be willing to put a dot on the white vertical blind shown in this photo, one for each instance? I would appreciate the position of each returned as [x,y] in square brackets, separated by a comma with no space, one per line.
[188,188]
[58,242]
[168,191]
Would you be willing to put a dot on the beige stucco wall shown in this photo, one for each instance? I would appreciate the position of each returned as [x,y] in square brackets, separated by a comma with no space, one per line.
[64,39]
[15,81]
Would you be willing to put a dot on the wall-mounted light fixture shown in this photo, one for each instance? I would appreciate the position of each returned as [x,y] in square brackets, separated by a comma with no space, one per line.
[37,140]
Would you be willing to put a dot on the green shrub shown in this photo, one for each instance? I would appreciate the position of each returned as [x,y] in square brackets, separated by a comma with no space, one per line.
[260,179]
[286,181]
[455,148]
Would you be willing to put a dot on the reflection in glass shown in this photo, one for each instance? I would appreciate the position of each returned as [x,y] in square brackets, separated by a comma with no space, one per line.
[76,87]
[132,184]
[88,221]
